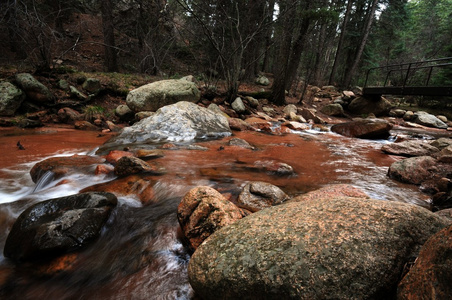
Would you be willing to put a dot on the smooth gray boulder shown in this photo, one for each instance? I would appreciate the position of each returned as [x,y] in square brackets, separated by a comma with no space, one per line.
[152,96]
[58,226]
[238,106]
[34,90]
[428,120]
[342,248]
[10,98]
[410,148]
[183,121]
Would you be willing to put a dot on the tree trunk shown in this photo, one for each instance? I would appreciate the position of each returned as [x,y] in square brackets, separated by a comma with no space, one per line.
[268,35]
[13,30]
[352,70]
[109,35]
[297,48]
[341,41]
[319,57]
[253,30]
[285,47]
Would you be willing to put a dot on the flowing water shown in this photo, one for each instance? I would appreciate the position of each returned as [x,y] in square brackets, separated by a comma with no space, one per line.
[140,254]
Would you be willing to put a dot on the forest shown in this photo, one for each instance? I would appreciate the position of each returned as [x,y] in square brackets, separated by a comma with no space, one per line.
[300,42]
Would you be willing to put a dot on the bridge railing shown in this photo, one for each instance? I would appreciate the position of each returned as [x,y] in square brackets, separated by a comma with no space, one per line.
[410,80]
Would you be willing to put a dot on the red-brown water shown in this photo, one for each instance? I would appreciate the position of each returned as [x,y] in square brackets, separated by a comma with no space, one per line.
[139,254]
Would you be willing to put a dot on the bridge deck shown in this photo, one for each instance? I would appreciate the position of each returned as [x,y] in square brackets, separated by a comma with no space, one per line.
[408,90]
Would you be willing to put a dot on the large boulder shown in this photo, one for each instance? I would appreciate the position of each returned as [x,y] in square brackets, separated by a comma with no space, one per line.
[57,226]
[345,248]
[366,106]
[10,98]
[34,90]
[257,195]
[183,121]
[442,143]
[426,119]
[413,170]
[431,275]
[155,95]
[364,128]
[331,191]
[410,148]
[202,211]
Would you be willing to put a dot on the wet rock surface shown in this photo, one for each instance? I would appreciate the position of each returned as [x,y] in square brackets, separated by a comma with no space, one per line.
[357,246]
[202,211]
[364,128]
[414,170]
[331,191]
[60,166]
[431,275]
[258,195]
[129,165]
[183,121]
[410,148]
[56,226]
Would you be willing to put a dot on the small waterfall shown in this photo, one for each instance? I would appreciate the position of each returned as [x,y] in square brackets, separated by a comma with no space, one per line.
[44,181]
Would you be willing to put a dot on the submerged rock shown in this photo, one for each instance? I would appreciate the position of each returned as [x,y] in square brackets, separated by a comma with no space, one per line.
[183,121]
[63,165]
[346,248]
[155,95]
[203,211]
[364,128]
[57,226]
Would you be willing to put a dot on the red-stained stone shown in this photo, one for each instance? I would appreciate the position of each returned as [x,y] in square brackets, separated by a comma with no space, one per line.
[115,155]
[65,164]
[203,211]
[136,186]
[346,248]
[332,191]
[103,169]
[431,275]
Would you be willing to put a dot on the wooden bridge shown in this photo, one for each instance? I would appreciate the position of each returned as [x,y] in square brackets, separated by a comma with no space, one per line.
[410,79]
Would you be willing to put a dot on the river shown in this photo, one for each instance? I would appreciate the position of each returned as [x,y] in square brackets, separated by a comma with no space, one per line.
[139,254]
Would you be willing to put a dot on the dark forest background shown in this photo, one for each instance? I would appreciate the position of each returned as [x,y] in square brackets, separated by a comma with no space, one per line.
[321,42]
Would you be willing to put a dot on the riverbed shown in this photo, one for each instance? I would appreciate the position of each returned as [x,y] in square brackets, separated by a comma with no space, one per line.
[140,254]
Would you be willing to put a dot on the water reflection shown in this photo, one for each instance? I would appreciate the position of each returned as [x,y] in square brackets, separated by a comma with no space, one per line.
[140,254]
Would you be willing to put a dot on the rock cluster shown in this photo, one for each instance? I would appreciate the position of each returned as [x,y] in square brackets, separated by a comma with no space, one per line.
[429,165]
